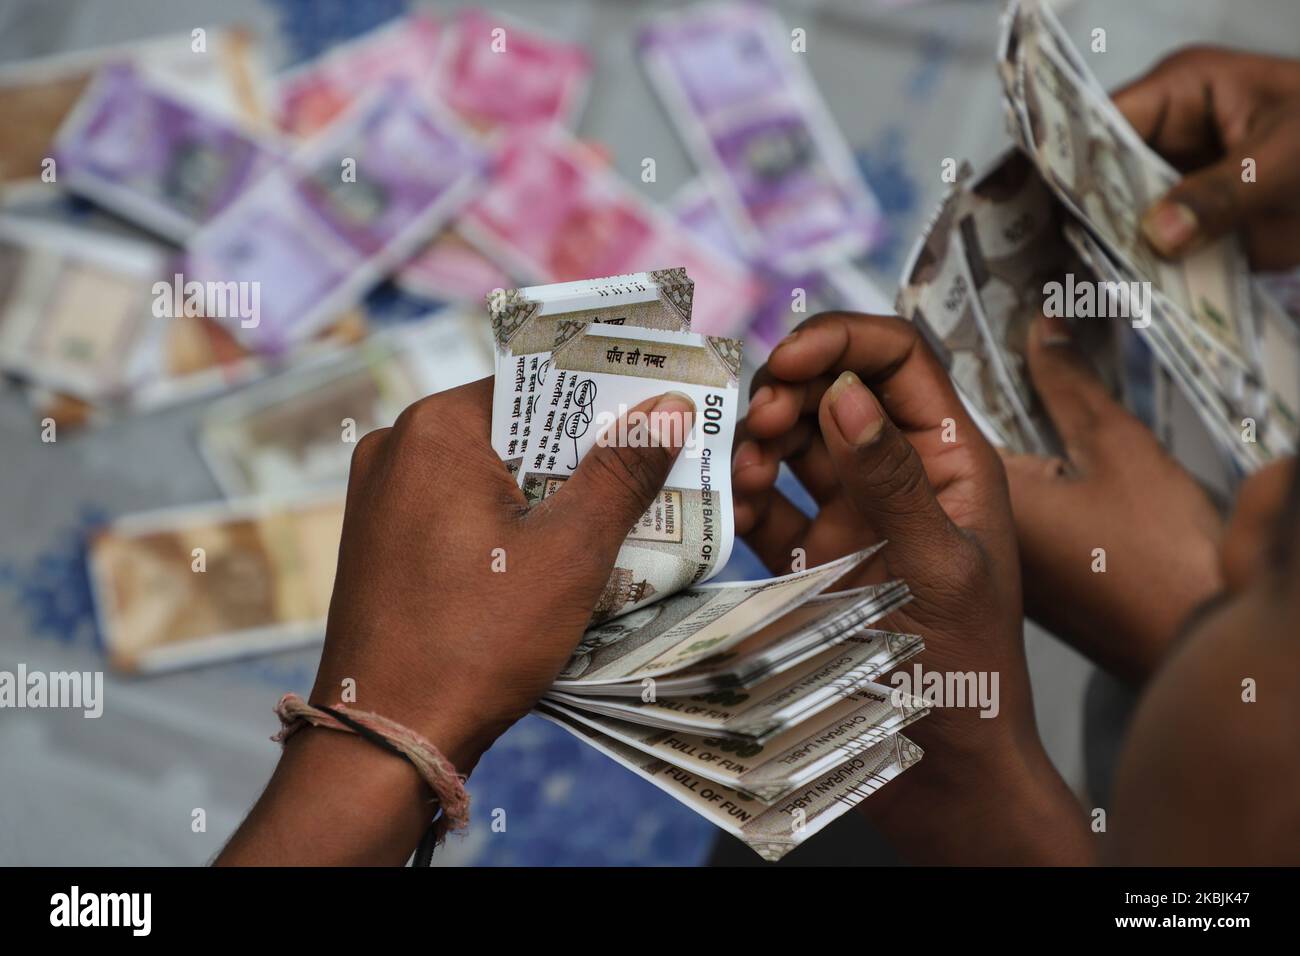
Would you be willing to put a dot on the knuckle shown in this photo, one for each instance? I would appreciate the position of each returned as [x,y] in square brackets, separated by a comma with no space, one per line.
[1193,55]
[894,472]
[367,448]
[418,416]
[430,425]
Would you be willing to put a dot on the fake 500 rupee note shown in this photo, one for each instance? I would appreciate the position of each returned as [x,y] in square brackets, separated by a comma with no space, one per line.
[771,706]
[770,830]
[527,322]
[599,373]
[689,627]
[790,759]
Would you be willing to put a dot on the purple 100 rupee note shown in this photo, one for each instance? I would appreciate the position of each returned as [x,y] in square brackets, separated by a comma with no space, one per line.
[759,131]
[323,227]
[163,162]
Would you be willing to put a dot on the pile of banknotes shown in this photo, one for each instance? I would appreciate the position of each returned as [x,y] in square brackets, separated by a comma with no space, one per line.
[307,252]
[1054,226]
[754,703]
[229,224]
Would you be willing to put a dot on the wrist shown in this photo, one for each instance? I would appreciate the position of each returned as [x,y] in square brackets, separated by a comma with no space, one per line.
[334,799]
[460,731]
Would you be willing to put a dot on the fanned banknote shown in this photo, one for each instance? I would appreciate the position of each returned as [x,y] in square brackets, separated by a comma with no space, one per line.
[1188,360]
[1062,221]
[690,627]
[1102,170]
[770,829]
[1202,305]
[974,284]
[771,706]
[938,293]
[790,640]
[790,759]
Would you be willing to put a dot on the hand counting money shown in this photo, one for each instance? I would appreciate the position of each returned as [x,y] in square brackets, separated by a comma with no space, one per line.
[673,672]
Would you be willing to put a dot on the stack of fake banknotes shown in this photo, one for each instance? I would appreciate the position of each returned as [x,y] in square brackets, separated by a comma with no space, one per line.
[753,703]
[1054,226]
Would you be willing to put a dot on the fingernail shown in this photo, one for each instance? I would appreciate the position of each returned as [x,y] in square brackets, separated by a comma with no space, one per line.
[669,406]
[747,454]
[1054,331]
[678,402]
[855,410]
[764,395]
[1169,226]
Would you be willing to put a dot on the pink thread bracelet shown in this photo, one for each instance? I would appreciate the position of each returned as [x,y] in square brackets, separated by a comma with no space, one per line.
[448,786]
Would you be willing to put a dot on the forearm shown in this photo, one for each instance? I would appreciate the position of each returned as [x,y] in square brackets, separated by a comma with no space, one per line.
[334,800]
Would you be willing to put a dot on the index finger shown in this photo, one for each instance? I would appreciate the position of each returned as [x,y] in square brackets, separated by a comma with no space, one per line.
[885,352]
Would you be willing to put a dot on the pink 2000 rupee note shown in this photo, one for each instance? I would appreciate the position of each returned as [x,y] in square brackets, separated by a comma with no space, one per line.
[553,213]
[313,95]
[493,73]
[320,229]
